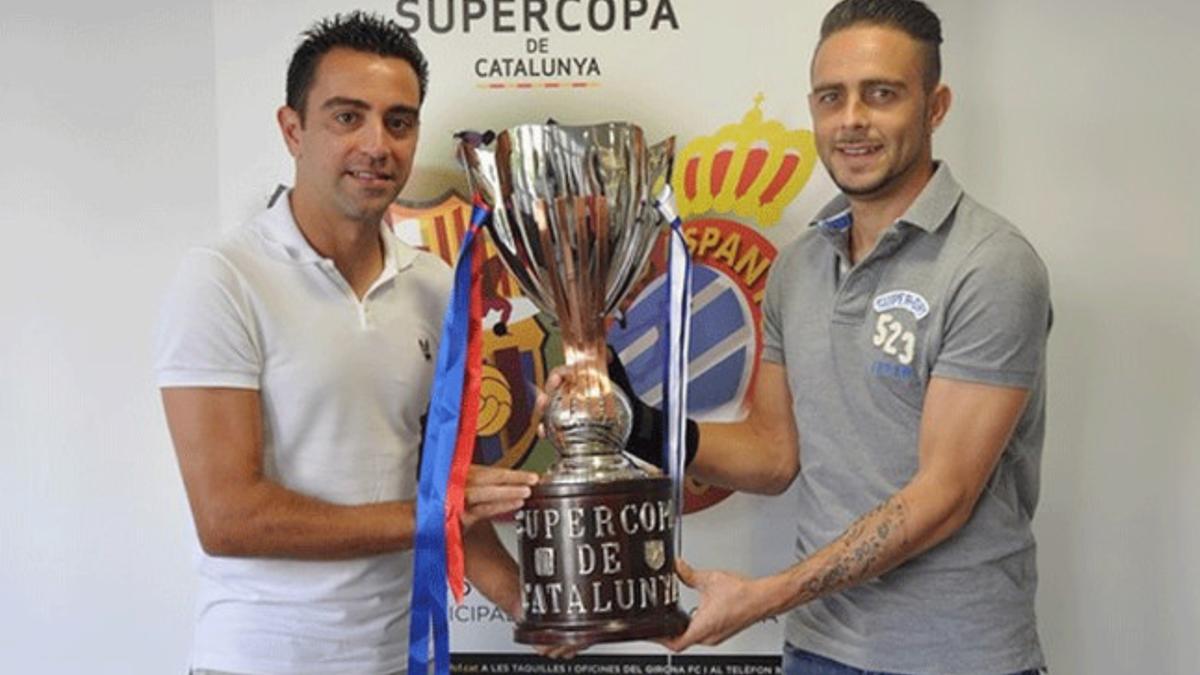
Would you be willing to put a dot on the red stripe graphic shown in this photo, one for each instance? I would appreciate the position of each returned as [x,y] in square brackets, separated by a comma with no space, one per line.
[755,160]
[720,169]
[782,176]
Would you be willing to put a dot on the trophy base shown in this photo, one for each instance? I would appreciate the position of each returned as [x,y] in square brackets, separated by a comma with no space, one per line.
[598,563]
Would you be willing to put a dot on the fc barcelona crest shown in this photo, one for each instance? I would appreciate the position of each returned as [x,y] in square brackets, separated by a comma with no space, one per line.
[515,341]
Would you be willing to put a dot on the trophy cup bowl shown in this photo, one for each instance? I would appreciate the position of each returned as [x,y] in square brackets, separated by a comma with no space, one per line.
[573,219]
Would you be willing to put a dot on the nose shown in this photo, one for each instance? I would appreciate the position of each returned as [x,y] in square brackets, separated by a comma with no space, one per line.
[854,115]
[372,139]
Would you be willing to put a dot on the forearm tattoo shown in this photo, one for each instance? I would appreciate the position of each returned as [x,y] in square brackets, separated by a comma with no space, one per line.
[863,551]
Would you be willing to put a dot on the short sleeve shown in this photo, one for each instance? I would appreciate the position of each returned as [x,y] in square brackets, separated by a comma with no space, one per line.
[204,337]
[998,316]
[772,315]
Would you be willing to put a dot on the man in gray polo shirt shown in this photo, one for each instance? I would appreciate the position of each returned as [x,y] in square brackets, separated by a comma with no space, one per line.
[902,386]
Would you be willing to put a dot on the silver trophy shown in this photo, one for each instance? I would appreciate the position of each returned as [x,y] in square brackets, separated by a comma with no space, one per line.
[574,220]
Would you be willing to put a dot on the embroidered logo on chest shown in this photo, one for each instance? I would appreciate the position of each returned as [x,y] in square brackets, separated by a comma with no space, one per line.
[907,300]
[892,336]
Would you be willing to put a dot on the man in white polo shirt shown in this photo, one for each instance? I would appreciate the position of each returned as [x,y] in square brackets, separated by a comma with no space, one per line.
[295,359]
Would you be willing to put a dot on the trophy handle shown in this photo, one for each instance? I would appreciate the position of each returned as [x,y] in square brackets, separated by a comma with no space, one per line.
[660,159]
[479,164]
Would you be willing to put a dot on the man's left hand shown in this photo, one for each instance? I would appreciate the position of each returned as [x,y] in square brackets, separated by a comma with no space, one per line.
[492,491]
[729,603]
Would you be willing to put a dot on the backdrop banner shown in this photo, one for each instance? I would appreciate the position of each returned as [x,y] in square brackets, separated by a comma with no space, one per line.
[729,80]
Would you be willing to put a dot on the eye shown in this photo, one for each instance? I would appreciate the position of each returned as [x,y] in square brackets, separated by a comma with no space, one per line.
[400,124]
[827,98]
[345,117]
[882,94]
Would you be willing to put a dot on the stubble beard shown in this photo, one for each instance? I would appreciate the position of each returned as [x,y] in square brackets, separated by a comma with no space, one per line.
[367,210]
[883,187]
[879,188]
[891,178]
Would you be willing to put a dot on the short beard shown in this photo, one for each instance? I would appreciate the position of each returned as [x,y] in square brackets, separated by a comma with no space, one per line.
[867,191]
[880,187]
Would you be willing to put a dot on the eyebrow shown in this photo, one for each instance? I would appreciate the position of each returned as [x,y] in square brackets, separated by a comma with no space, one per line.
[359,104]
[839,86]
[339,101]
[899,84]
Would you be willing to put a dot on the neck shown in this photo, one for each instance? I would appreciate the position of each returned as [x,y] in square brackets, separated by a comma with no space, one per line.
[872,214]
[353,245]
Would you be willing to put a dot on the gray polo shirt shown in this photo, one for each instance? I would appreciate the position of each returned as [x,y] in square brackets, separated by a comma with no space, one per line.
[950,290]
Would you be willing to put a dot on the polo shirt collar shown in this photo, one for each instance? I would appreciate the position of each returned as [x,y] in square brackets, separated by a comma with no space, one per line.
[936,202]
[928,211]
[398,253]
[278,227]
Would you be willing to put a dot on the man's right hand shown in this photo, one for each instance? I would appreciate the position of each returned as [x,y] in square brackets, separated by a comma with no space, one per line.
[555,380]
[648,425]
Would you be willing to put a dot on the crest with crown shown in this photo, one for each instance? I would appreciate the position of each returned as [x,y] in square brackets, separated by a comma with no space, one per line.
[753,169]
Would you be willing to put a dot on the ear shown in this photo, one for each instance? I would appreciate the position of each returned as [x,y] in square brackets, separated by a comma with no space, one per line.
[939,105]
[290,126]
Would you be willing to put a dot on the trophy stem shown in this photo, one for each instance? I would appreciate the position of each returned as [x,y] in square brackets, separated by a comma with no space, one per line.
[587,420]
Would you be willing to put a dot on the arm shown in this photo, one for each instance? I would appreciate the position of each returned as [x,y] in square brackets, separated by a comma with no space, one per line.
[762,452]
[965,427]
[489,566]
[217,434]
[492,570]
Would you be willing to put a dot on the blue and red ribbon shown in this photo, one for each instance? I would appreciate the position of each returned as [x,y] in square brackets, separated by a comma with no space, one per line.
[439,563]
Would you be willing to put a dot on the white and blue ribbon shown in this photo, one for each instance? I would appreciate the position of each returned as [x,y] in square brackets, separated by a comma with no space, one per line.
[675,366]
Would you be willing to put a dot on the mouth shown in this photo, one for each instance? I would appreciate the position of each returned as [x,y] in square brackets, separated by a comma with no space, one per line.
[371,178]
[861,150]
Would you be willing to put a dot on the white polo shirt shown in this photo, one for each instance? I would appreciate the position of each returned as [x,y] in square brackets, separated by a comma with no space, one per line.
[343,383]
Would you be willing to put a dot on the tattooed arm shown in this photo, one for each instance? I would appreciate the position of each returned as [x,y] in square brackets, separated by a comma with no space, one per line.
[965,427]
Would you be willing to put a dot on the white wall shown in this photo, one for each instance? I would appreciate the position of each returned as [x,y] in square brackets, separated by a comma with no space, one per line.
[1076,119]
[1080,120]
[108,171]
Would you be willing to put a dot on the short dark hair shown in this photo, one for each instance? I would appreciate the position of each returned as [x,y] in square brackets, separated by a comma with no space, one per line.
[912,17]
[359,31]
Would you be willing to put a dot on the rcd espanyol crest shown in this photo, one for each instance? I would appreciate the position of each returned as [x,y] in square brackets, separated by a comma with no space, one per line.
[515,341]
[728,186]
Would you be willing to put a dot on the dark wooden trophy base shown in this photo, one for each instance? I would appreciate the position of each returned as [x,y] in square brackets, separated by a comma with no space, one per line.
[598,563]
